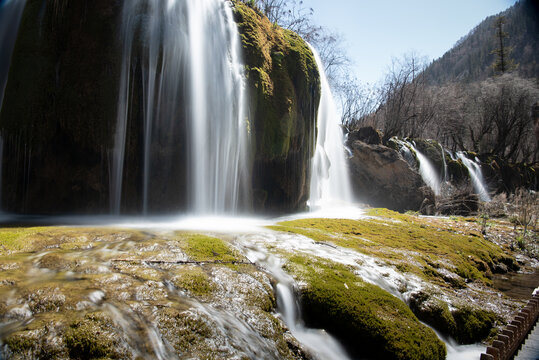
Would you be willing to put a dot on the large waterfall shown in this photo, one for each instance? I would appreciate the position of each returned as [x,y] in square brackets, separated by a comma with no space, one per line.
[188,49]
[330,183]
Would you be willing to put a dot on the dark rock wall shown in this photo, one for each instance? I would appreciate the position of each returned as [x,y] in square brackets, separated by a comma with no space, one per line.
[57,117]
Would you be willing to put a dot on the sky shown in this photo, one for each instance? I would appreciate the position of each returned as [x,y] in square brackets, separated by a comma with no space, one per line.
[375,31]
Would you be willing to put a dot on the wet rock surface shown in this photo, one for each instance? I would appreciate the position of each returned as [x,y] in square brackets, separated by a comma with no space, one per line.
[117,293]
[129,294]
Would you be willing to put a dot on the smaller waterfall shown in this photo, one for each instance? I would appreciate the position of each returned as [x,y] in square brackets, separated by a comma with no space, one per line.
[478,182]
[323,345]
[445,164]
[10,17]
[426,169]
[330,183]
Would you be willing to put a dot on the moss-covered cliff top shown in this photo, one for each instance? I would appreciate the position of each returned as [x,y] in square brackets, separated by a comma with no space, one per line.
[283,73]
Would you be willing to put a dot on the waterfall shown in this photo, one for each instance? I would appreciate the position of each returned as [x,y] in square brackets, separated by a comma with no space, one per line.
[185,50]
[330,183]
[478,182]
[426,169]
[428,172]
[444,162]
[219,123]
[10,17]
[319,342]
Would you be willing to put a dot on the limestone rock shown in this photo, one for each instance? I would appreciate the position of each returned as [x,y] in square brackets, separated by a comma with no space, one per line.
[381,177]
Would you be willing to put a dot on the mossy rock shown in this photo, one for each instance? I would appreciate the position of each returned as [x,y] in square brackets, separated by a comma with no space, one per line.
[370,321]
[284,83]
[473,325]
[436,251]
[433,312]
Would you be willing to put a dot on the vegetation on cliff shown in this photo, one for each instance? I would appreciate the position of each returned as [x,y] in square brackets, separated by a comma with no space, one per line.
[285,91]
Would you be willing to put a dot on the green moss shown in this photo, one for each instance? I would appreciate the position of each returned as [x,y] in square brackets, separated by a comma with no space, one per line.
[399,237]
[194,280]
[92,338]
[33,239]
[433,312]
[284,75]
[473,325]
[206,248]
[370,320]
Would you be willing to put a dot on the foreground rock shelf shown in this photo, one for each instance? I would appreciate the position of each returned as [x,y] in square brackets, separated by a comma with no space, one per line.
[101,292]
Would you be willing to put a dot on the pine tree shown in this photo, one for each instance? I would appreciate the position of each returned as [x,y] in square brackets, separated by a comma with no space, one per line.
[503,63]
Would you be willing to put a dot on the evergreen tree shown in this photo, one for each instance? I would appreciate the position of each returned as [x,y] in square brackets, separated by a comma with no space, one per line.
[503,63]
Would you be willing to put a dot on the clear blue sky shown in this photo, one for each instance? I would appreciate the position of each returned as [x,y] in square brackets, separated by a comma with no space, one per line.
[374,31]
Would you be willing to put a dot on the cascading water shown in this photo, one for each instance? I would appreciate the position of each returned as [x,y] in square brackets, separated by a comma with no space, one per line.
[478,182]
[322,345]
[444,162]
[194,47]
[428,172]
[330,183]
[10,17]
[426,169]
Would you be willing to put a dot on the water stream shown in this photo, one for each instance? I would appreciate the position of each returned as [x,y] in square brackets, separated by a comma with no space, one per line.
[426,169]
[445,178]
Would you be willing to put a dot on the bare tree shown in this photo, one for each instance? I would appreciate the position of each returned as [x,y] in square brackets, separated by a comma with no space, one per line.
[407,107]
[357,102]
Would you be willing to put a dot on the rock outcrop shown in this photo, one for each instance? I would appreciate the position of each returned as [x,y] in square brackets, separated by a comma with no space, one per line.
[381,177]
[285,92]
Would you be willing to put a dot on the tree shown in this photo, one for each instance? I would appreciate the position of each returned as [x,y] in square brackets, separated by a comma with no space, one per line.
[407,107]
[503,63]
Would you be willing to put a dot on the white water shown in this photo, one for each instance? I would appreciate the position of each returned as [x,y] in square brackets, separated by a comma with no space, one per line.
[190,48]
[444,162]
[330,183]
[322,345]
[10,17]
[426,169]
[478,182]
[428,172]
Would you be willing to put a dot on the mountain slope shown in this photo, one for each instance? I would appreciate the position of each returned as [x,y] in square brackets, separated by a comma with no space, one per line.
[472,56]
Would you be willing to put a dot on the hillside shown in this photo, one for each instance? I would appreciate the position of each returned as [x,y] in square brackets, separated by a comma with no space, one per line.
[471,57]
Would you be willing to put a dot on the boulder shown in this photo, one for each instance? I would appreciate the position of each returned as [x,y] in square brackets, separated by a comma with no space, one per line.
[381,177]
[367,134]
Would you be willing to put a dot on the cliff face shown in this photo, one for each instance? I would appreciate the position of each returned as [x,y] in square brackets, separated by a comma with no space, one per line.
[58,113]
[60,108]
[285,91]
